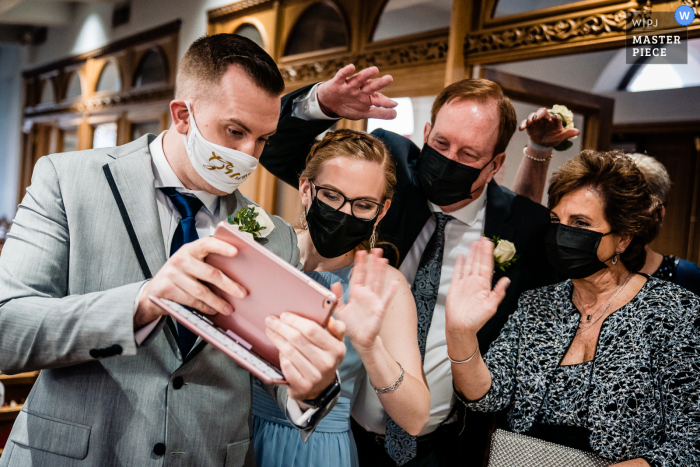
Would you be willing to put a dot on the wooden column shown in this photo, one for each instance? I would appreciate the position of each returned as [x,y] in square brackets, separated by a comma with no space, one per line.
[85,135]
[460,23]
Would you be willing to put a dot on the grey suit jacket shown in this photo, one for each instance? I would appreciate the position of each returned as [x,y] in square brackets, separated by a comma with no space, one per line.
[69,277]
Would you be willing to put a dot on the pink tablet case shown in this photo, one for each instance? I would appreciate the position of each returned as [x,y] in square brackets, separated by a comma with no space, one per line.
[273,285]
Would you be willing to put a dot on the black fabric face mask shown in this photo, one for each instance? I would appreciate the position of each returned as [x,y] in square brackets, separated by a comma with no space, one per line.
[573,252]
[334,233]
[443,180]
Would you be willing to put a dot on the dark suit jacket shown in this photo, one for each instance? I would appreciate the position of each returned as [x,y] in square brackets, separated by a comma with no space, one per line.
[508,216]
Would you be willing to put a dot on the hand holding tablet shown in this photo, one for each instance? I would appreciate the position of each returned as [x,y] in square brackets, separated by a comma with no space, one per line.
[294,342]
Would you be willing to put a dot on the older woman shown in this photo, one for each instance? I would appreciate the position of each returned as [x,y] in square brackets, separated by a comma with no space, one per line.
[666,267]
[607,361]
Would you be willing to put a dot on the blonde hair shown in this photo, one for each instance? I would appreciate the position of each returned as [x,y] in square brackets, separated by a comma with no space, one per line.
[355,145]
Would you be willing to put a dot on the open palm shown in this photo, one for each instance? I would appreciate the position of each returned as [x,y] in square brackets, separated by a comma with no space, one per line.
[470,301]
[357,95]
[364,313]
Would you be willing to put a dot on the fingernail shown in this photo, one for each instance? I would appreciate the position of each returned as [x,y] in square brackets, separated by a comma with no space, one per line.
[240,293]
[270,320]
[228,309]
[285,317]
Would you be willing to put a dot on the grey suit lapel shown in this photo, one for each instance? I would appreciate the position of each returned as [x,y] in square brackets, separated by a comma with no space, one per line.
[133,178]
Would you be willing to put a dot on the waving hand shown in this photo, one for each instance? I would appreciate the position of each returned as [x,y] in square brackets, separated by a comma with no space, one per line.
[366,307]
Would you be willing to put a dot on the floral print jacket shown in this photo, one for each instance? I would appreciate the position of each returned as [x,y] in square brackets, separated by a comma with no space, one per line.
[644,395]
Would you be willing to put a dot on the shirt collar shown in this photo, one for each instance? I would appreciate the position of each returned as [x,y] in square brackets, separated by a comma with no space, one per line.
[469,213]
[165,176]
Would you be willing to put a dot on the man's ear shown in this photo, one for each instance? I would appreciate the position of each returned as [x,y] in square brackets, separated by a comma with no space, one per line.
[426,132]
[180,116]
[382,213]
[496,165]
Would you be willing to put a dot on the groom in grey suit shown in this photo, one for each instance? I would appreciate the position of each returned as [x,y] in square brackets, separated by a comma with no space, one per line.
[92,241]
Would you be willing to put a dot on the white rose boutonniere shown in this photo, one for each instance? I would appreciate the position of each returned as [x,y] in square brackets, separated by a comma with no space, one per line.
[567,121]
[504,254]
[252,220]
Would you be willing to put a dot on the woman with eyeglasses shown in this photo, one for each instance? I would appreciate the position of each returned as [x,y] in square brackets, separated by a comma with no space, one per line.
[346,190]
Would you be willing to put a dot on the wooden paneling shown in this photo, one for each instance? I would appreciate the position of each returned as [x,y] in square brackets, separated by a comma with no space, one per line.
[123,106]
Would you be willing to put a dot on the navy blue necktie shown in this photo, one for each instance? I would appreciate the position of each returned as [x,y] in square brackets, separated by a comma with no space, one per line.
[401,446]
[186,232]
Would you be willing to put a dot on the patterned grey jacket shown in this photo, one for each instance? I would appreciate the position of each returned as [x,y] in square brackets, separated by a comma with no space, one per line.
[644,393]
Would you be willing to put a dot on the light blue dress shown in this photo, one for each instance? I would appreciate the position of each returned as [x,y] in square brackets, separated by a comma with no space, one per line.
[277,442]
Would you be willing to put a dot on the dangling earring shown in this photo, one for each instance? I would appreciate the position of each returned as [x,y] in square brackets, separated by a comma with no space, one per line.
[373,238]
[302,220]
[614,261]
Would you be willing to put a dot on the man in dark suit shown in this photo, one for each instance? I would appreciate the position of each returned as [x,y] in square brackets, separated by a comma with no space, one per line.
[445,199]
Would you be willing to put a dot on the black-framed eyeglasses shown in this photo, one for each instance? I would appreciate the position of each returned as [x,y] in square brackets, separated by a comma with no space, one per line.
[362,209]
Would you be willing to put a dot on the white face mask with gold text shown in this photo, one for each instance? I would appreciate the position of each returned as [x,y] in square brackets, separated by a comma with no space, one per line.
[223,168]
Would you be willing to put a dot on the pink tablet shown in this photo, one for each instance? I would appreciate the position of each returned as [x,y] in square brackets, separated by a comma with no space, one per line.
[273,285]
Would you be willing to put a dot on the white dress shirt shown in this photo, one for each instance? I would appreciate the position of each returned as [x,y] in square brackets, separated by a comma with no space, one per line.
[466,227]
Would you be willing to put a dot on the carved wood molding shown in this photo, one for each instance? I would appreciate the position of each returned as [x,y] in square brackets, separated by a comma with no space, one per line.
[220,12]
[146,36]
[98,103]
[578,28]
[426,52]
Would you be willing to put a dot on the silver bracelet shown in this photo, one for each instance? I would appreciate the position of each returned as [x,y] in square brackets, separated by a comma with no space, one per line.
[534,158]
[391,388]
[464,361]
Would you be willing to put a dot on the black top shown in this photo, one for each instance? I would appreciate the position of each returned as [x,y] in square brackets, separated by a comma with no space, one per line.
[681,272]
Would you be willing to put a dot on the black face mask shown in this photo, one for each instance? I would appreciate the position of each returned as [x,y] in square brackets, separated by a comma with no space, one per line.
[443,180]
[334,233]
[573,252]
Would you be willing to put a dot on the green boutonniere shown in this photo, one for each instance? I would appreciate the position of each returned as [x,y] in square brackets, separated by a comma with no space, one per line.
[504,253]
[253,221]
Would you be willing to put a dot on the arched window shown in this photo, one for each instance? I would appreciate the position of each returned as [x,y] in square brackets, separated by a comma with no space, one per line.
[109,78]
[47,93]
[151,69]
[658,74]
[75,89]
[249,31]
[404,17]
[320,27]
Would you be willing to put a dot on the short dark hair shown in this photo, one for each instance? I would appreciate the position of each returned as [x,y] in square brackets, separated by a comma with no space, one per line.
[481,90]
[208,58]
[630,206]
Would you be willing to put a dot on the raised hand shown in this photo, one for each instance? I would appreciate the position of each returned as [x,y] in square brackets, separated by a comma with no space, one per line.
[357,96]
[470,301]
[546,129]
[364,313]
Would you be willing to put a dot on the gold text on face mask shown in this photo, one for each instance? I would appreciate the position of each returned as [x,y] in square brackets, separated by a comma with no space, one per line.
[226,166]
